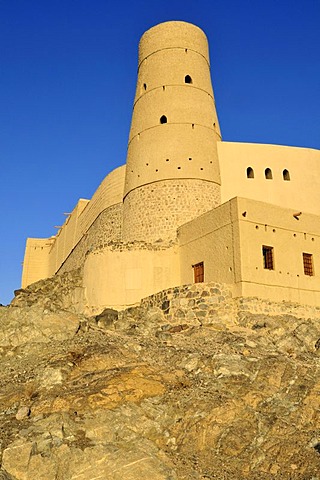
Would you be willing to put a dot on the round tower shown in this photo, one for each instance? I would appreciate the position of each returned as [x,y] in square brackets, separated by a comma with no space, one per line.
[172,173]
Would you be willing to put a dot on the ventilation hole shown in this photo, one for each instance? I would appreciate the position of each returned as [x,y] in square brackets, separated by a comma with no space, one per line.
[294,234]
[312,239]
[268,174]
[274,230]
[186,50]
[163,119]
[145,86]
[210,161]
[187,79]
[163,88]
[179,168]
[167,159]
[201,168]
[190,158]
[286,175]
[147,164]
[193,125]
[214,124]
[250,172]
[157,170]
[257,227]
[138,176]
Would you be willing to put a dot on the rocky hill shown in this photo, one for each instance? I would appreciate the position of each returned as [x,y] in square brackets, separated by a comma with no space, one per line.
[144,394]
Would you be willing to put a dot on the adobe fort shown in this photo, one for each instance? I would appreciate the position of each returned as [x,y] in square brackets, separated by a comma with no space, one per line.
[188,207]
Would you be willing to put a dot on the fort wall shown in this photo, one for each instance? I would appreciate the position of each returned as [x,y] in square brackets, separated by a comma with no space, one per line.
[147,209]
[294,174]
[174,131]
[230,241]
[212,303]
[134,271]
[36,263]
[105,229]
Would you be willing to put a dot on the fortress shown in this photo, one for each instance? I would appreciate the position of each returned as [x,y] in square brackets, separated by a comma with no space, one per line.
[187,206]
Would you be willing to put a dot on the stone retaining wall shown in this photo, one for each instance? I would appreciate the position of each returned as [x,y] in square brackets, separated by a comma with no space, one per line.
[207,303]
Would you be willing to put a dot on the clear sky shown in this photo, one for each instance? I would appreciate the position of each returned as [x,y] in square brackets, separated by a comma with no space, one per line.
[67,82]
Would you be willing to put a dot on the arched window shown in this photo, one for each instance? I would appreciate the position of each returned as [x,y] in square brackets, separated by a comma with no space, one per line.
[187,79]
[163,119]
[250,172]
[286,175]
[268,174]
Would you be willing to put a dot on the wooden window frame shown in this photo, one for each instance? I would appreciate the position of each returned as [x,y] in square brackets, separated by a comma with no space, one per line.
[307,259]
[198,272]
[268,257]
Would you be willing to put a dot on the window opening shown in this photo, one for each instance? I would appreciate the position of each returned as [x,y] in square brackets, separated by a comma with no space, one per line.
[286,175]
[268,174]
[250,172]
[163,119]
[307,264]
[198,272]
[145,86]
[267,253]
[187,79]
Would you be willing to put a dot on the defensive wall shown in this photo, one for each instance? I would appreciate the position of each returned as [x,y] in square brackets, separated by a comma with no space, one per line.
[172,170]
[236,240]
[186,201]
[213,303]
[276,174]
[91,223]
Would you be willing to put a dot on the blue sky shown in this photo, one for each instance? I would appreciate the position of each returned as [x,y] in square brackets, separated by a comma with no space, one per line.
[67,82]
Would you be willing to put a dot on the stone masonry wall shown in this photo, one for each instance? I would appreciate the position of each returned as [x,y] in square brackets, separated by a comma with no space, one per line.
[154,211]
[208,303]
[106,228]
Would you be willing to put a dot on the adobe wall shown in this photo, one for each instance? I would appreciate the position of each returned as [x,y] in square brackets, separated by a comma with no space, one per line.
[91,223]
[229,241]
[301,192]
[36,260]
[120,274]
[148,210]
[289,236]
[172,156]
[105,229]
[210,239]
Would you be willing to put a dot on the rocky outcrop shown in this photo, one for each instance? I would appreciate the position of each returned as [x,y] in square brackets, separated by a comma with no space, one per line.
[60,292]
[146,394]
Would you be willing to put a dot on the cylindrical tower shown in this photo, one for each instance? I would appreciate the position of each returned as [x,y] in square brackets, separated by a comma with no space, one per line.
[172,173]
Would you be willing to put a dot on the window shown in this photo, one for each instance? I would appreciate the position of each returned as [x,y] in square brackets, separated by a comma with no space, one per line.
[307,264]
[267,253]
[250,172]
[163,119]
[268,174]
[198,272]
[286,175]
[187,79]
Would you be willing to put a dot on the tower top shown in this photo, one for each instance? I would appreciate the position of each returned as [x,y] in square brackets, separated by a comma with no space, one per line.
[174,34]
